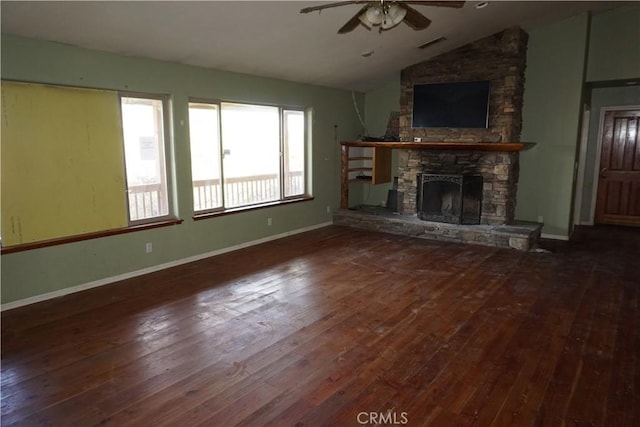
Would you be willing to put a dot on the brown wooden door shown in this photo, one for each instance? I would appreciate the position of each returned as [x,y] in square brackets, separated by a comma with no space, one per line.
[618,200]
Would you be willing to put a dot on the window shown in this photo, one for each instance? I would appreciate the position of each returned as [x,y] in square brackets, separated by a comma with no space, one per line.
[62,163]
[204,133]
[143,131]
[251,148]
[243,154]
[294,158]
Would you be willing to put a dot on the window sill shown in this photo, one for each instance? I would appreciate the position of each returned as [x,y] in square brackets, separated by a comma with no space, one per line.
[88,236]
[230,211]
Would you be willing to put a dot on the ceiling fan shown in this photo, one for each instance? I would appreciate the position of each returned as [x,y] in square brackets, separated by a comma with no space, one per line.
[385,13]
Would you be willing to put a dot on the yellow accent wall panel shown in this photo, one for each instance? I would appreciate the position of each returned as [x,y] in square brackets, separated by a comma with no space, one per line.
[62,162]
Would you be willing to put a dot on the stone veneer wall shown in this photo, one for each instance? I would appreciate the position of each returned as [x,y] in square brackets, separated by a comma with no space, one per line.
[500,58]
[499,171]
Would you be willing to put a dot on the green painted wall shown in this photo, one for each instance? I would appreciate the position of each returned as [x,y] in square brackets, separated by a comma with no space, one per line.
[31,273]
[556,56]
[379,103]
[614,50]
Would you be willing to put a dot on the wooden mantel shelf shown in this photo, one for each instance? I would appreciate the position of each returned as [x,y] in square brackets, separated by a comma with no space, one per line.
[473,146]
[380,170]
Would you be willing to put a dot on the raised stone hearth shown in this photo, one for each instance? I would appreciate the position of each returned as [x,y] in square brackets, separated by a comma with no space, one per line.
[518,235]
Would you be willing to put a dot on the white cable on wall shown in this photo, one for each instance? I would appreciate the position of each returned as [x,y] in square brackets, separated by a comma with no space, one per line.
[355,106]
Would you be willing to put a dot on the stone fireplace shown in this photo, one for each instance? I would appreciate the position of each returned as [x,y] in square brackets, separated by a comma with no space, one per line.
[490,155]
[499,58]
[499,172]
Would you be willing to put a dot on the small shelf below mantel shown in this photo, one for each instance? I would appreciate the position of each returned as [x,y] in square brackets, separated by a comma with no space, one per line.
[361,179]
[472,146]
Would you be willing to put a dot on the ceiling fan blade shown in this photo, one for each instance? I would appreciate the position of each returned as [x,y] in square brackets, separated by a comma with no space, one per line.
[330,5]
[353,22]
[454,4]
[415,19]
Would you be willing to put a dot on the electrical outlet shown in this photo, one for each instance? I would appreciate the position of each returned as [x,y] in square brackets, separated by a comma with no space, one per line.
[328,209]
[540,219]
[148,247]
[269,222]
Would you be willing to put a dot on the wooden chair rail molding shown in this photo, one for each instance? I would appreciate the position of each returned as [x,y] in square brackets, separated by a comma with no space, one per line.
[381,158]
[87,236]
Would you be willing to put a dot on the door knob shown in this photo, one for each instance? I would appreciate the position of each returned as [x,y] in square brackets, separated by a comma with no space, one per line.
[602,172]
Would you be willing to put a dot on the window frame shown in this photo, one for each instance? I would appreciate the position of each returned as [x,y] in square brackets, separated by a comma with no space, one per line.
[167,138]
[223,210]
[283,152]
[217,103]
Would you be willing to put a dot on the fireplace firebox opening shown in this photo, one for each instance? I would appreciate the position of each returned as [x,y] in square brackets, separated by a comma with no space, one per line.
[454,199]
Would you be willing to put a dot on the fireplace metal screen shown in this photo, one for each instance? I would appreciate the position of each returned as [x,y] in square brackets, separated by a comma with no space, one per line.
[455,199]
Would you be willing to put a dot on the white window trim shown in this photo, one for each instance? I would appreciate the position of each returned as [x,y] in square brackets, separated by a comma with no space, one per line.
[168,157]
[307,167]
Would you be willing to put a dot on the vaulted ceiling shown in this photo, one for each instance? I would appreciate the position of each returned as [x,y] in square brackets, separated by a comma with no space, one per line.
[272,38]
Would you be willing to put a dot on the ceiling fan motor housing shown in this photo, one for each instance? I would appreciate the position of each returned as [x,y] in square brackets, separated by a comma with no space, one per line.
[386,14]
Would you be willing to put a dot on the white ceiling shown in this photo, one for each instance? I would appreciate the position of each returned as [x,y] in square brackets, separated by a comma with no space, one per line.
[272,38]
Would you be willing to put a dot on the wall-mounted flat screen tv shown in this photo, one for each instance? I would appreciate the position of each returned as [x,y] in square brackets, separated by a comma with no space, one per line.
[451,105]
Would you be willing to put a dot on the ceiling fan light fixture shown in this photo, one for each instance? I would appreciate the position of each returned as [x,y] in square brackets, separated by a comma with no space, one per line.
[365,21]
[393,16]
[372,16]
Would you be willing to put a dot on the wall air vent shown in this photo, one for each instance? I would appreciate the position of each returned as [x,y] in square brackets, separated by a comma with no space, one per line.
[432,42]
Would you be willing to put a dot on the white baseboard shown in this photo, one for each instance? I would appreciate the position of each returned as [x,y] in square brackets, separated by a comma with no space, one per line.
[108,280]
[554,236]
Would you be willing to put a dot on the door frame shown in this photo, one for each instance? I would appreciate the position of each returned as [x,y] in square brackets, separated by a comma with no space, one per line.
[580,168]
[596,169]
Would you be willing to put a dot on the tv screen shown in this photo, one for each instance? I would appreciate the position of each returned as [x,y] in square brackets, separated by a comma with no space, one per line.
[451,105]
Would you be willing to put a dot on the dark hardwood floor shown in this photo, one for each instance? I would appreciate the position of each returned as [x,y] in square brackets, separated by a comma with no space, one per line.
[342,327]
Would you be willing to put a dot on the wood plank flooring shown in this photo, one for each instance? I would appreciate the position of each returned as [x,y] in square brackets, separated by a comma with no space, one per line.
[342,327]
